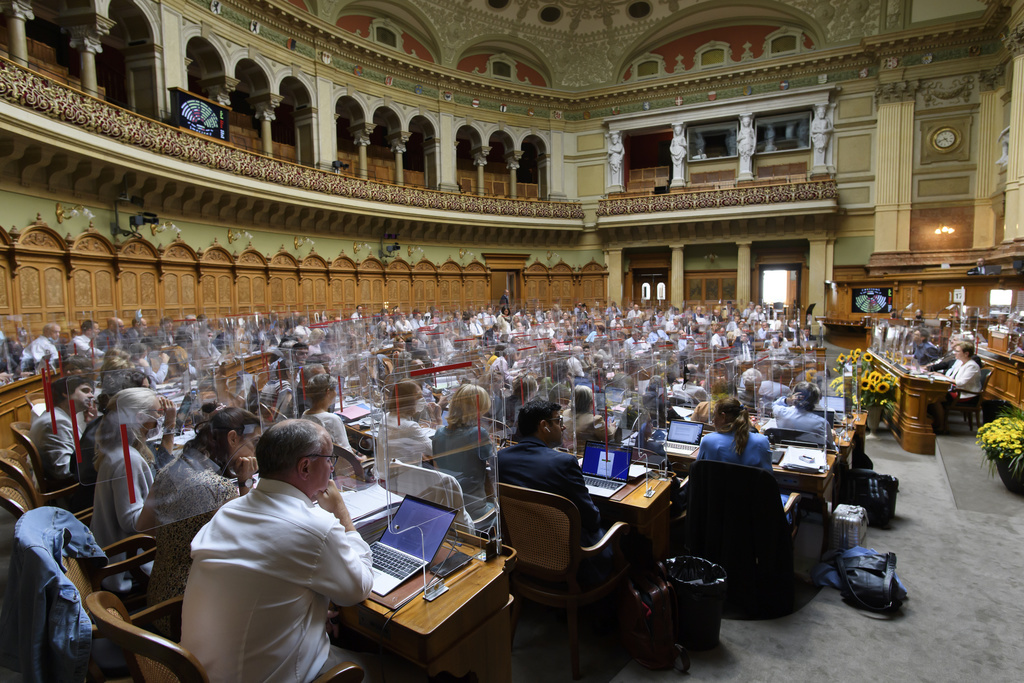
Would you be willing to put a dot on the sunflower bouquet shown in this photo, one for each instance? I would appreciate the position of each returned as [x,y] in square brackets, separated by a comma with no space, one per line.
[858,364]
[878,389]
[1003,440]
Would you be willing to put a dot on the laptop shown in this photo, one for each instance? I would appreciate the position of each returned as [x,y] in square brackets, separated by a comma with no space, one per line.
[605,471]
[683,437]
[445,382]
[828,414]
[409,542]
[836,403]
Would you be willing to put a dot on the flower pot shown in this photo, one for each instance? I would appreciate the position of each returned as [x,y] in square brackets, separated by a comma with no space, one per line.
[874,417]
[1012,485]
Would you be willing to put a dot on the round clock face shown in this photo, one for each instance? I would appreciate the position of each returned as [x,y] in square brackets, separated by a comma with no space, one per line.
[945,139]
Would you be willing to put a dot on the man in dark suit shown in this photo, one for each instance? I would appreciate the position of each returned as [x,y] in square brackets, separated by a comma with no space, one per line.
[925,353]
[533,463]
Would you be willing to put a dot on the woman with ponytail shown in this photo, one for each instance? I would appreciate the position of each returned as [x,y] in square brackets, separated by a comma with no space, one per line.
[732,440]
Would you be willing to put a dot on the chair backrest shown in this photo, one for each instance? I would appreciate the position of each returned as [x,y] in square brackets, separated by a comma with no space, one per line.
[735,519]
[15,467]
[21,436]
[150,657]
[429,484]
[14,497]
[544,528]
[985,374]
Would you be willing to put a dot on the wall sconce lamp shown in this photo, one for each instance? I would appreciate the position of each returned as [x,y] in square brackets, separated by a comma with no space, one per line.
[356,246]
[299,241]
[945,230]
[414,250]
[464,254]
[553,255]
[234,235]
[164,227]
[64,214]
[711,258]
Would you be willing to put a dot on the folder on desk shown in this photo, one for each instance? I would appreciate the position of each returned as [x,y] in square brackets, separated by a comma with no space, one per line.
[804,460]
[355,412]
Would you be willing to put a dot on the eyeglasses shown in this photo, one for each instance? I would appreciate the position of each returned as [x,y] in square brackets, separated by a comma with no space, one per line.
[559,420]
[333,458]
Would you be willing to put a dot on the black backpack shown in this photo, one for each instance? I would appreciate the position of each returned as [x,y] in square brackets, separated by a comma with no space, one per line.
[648,619]
[874,492]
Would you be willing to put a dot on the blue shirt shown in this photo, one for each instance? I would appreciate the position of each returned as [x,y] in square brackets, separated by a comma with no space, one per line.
[722,448]
[812,425]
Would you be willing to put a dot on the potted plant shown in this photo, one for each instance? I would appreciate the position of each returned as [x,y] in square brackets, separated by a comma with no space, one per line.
[877,393]
[1002,444]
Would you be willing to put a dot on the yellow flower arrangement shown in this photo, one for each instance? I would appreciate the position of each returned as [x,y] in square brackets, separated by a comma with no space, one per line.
[1003,440]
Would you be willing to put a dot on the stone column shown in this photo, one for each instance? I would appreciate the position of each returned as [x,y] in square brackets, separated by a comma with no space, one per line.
[990,124]
[145,74]
[512,164]
[219,88]
[431,159]
[397,141]
[17,13]
[480,160]
[265,106]
[556,167]
[742,273]
[86,31]
[1014,42]
[894,162]
[361,138]
[544,176]
[306,136]
[447,180]
[677,288]
[818,271]
[613,262]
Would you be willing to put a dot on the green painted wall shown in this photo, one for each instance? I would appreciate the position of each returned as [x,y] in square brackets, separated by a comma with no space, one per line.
[693,257]
[853,251]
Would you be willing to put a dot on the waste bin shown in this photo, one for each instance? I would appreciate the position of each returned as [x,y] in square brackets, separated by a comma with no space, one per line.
[700,588]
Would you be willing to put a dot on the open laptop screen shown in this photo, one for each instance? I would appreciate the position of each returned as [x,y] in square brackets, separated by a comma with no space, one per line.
[612,463]
[418,528]
[680,431]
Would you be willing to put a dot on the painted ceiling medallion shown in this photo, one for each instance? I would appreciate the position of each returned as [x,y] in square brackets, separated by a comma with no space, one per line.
[530,112]
[927,58]
[748,90]
[418,90]
[556,114]
[712,96]
[679,100]
[891,62]
[447,96]
[475,103]
[646,106]
[586,115]
[784,85]
[863,73]
[389,80]
[325,57]
[358,71]
[503,108]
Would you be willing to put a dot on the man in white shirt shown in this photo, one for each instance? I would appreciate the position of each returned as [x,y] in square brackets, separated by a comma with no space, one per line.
[634,313]
[57,448]
[575,363]
[41,347]
[301,329]
[403,326]
[268,564]
[83,344]
[358,314]
[718,338]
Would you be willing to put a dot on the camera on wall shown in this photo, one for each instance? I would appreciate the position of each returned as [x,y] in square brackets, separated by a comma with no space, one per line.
[389,250]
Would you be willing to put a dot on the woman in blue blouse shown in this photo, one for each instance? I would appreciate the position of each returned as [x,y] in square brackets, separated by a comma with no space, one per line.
[732,440]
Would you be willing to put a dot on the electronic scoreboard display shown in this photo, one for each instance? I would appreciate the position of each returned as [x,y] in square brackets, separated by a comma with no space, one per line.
[872,299]
[200,115]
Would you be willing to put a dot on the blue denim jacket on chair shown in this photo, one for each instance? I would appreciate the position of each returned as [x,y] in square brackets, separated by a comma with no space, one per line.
[46,632]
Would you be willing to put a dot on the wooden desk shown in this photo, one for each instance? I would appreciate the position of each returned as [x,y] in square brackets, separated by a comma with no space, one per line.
[647,516]
[912,426]
[468,629]
[1007,380]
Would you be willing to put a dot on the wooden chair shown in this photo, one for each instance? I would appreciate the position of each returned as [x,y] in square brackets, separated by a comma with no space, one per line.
[14,497]
[21,437]
[14,467]
[34,398]
[971,408]
[544,529]
[152,657]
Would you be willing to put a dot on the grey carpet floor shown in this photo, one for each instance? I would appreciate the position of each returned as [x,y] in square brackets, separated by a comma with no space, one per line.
[958,536]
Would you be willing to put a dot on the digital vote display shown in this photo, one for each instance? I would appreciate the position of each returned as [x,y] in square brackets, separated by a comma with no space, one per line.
[201,116]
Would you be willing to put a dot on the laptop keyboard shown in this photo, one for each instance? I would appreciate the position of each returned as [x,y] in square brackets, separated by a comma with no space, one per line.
[599,483]
[680,450]
[390,561]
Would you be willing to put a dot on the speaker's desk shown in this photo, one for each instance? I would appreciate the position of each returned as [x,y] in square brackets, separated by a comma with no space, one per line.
[911,424]
[468,629]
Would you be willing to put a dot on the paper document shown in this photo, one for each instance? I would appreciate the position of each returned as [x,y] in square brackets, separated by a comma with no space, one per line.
[804,459]
[355,412]
[683,411]
[368,501]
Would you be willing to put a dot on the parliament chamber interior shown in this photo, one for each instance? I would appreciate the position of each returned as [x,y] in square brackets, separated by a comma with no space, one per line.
[511,340]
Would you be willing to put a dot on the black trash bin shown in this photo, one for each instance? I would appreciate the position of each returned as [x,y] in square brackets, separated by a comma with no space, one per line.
[700,588]
[990,409]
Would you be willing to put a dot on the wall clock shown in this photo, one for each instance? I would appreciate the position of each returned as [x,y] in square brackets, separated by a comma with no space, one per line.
[946,139]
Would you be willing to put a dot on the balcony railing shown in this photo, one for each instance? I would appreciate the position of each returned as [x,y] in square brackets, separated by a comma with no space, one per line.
[32,90]
[721,197]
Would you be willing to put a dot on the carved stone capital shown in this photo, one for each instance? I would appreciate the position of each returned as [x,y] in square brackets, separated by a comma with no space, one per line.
[17,9]
[512,159]
[361,134]
[265,106]
[86,31]
[480,156]
[219,88]
[397,141]
[898,91]
[990,79]
[1013,40]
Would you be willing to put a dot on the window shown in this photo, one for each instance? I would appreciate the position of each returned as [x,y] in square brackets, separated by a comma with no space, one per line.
[712,55]
[782,133]
[386,37]
[783,44]
[501,70]
[713,141]
[647,69]
[501,66]
[785,41]
[712,58]
[646,66]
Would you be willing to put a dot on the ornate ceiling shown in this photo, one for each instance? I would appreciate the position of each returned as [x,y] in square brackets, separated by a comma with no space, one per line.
[585,44]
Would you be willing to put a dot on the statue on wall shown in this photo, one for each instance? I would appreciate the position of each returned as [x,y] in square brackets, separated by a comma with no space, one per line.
[821,136]
[616,153]
[677,150]
[745,143]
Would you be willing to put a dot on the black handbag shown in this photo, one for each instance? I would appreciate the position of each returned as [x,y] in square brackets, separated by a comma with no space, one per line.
[874,492]
[869,581]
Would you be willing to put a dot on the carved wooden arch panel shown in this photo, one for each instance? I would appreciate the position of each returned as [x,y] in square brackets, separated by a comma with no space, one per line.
[40,278]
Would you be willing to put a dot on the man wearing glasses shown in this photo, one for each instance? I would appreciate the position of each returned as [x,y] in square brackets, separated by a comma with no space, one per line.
[268,564]
[534,463]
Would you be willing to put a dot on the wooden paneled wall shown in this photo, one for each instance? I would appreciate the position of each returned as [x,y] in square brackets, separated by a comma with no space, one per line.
[46,277]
